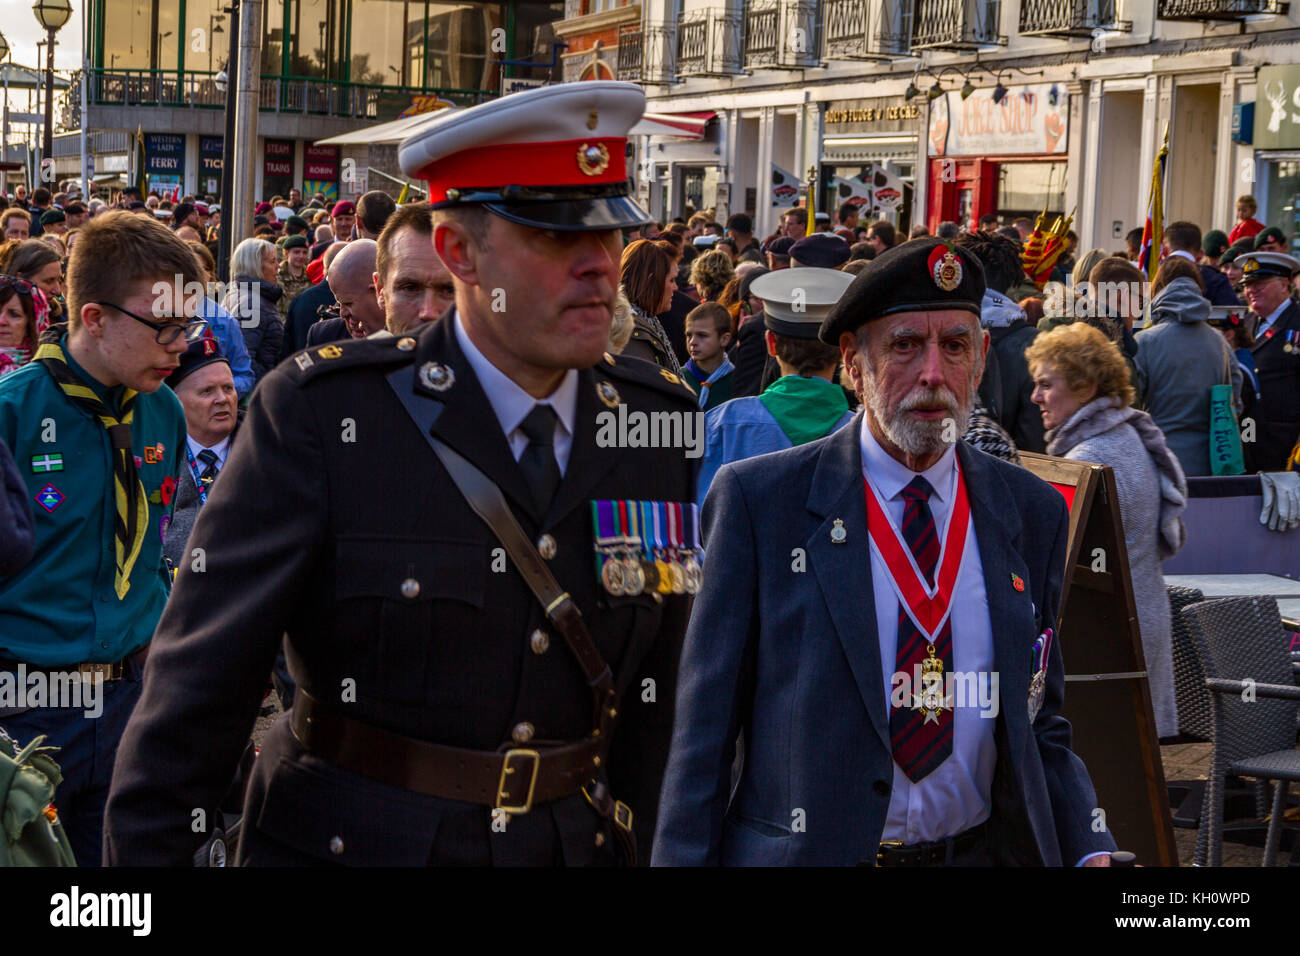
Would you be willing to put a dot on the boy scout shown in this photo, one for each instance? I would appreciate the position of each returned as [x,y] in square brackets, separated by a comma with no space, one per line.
[444,715]
[100,446]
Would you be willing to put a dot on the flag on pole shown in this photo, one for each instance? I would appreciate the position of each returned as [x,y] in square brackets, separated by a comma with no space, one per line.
[1044,247]
[137,159]
[1154,228]
[406,189]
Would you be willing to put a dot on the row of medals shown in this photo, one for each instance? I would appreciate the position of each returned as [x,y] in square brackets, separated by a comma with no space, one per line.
[626,571]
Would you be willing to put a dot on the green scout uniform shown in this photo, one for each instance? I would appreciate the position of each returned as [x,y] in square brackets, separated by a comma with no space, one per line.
[62,608]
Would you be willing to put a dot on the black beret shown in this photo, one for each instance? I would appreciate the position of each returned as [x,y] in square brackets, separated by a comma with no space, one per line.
[781,246]
[821,250]
[52,216]
[204,351]
[922,275]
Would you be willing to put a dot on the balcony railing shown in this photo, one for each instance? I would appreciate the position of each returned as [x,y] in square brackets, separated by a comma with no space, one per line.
[710,43]
[782,34]
[867,29]
[1219,9]
[645,53]
[1069,17]
[278,94]
[957,24]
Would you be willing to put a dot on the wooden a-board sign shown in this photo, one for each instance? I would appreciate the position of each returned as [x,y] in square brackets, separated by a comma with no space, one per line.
[1107,694]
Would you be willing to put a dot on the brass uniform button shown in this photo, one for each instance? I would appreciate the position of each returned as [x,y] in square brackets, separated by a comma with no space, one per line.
[539,641]
[336,845]
[600,839]
[522,733]
[546,546]
[410,589]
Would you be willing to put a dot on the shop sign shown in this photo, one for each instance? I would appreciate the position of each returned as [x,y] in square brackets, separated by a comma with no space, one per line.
[164,153]
[1030,120]
[1277,113]
[320,162]
[278,159]
[871,115]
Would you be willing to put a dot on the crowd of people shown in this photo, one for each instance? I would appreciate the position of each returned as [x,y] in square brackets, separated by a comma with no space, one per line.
[1096,365]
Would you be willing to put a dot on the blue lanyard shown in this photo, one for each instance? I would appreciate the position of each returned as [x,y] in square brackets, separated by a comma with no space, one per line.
[198,482]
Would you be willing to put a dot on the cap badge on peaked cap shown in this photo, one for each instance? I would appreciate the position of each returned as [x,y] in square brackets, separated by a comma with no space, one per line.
[593,160]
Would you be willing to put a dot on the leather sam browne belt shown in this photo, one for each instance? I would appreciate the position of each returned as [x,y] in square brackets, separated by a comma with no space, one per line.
[512,780]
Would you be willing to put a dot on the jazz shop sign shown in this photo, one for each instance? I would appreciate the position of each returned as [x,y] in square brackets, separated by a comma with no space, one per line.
[1030,120]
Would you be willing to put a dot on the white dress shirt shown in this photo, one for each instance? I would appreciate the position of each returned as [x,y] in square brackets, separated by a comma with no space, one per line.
[512,404]
[956,795]
[1272,317]
[221,449]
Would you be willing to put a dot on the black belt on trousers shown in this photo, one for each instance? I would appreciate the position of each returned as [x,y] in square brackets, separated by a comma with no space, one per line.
[512,780]
[115,670]
[935,853]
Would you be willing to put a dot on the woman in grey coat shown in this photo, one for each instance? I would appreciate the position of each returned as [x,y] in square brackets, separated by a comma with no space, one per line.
[1081,383]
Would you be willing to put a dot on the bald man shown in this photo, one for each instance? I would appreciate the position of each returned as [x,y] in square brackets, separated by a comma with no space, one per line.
[351,278]
[412,284]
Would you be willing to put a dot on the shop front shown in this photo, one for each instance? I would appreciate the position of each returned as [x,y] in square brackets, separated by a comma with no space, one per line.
[869,149]
[1008,157]
[164,161]
[680,169]
[277,167]
[1277,150]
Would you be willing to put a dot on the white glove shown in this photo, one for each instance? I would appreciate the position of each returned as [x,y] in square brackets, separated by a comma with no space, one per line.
[1281,500]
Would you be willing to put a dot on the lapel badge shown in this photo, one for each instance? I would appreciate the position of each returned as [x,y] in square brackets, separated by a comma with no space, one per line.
[838,534]
[593,159]
[329,352]
[670,376]
[303,362]
[608,394]
[436,377]
[945,268]
[405,344]
[1017,581]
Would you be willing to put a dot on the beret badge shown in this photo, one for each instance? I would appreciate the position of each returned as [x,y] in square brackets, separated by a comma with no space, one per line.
[593,159]
[945,268]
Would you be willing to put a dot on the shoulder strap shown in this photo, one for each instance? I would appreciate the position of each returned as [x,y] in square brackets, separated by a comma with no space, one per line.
[486,500]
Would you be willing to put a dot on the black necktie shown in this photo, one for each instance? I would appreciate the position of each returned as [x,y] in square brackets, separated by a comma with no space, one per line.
[538,460]
[209,458]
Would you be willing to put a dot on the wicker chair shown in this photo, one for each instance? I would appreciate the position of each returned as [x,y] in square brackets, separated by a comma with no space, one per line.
[1194,717]
[1242,638]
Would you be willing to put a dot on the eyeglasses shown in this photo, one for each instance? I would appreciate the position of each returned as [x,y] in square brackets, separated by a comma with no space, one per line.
[165,333]
[21,286]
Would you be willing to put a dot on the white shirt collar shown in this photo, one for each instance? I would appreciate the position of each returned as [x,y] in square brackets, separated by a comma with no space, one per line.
[510,402]
[1185,254]
[890,476]
[221,449]
[1273,316]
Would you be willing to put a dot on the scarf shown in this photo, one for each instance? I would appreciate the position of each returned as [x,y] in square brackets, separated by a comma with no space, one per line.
[721,372]
[11,360]
[652,325]
[128,492]
[997,311]
[805,408]
[1101,415]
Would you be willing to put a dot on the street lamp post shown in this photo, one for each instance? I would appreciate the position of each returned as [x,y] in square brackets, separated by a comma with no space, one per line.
[51,15]
[4,121]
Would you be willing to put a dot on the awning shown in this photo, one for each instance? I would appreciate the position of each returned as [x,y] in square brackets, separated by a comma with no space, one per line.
[679,125]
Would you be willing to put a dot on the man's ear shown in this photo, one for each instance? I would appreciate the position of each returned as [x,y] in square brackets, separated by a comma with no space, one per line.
[770,338]
[452,243]
[724,339]
[93,319]
[379,290]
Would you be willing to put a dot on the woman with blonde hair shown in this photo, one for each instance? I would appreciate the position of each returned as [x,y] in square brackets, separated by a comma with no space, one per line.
[1081,383]
[710,274]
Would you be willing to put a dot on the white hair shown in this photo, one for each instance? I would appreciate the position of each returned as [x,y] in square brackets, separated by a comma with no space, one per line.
[246,260]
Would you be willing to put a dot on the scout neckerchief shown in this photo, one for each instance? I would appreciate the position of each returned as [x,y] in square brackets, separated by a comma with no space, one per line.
[128,492]
[928,607]
[706,381]
[805,408]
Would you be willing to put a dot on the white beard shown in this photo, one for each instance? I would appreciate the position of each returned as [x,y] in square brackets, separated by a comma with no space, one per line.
[915,436]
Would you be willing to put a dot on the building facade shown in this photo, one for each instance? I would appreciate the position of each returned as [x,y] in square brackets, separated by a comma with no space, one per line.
[327,67]
[951,109]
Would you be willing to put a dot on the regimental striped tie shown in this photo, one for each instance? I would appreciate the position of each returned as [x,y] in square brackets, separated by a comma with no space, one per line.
[209,458]
[921,740]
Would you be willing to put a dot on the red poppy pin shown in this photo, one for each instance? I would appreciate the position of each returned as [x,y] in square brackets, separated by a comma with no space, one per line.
[1017,582]
[167,490]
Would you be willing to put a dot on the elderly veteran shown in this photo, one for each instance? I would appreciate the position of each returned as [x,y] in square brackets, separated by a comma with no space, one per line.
[859,747]
[1081,383]
[805,403]
[1266,277]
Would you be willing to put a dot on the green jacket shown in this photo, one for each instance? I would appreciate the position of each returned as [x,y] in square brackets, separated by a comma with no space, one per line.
[61,609]
[291,285]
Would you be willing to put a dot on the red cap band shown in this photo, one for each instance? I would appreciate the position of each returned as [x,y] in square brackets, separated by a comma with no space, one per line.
[575,162]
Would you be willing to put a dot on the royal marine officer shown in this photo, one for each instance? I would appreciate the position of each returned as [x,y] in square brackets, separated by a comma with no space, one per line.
[1266,278]
[445,716]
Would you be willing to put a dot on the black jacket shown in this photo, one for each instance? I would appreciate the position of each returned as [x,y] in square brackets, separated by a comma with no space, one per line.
[259,318]
[749,355]
[328,330]
[1018,415]
[315,536]
[1218,287]
[1277,413]
[302,316]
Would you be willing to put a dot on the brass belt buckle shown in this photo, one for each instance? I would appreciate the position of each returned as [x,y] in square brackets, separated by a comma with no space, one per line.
[886,845]
[506,770]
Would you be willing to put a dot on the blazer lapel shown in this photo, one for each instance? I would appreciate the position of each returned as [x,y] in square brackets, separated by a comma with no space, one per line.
[466,420]
[844,570]
[997,528]
[588,462]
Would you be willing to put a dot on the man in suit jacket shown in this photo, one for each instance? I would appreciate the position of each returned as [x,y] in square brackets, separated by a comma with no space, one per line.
[807,636]
[1266,278]
[206,387]
[440,716]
